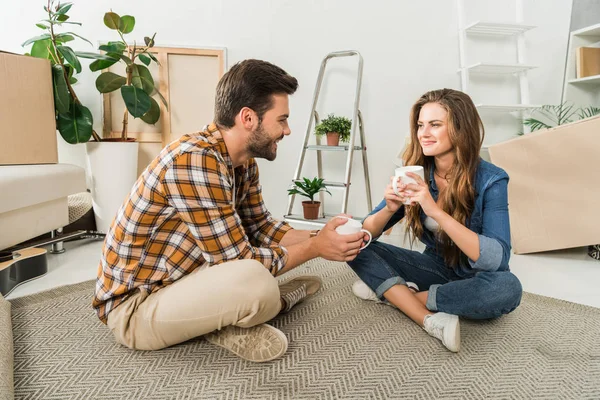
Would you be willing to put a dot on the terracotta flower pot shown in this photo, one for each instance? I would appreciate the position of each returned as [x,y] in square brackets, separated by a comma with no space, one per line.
[333,139]
[311,209]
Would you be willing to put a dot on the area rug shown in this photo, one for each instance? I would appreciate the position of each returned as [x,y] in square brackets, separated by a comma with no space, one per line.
[340,348]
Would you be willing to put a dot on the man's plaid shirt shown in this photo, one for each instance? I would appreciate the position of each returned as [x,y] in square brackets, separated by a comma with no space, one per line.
[180,215]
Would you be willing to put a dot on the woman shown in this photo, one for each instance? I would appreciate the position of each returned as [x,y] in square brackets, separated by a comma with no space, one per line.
[460,213]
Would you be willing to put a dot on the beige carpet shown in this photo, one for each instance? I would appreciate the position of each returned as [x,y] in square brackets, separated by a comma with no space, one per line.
[340,348]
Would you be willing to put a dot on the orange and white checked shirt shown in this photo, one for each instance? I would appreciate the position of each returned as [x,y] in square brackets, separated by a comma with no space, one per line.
[180,215]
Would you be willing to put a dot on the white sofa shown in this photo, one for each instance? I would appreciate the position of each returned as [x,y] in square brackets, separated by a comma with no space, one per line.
[33,199]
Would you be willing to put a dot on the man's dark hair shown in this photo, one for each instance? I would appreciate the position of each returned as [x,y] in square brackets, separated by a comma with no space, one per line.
[250,83]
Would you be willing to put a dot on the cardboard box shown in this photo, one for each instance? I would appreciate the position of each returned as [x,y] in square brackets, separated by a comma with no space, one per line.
[27,122]
[553,192]
[588,61]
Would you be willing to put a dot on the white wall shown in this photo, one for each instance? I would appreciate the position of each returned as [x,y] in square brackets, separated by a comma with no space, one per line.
[409,47]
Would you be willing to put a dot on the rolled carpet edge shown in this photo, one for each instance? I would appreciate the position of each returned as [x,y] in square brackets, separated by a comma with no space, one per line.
[6,352]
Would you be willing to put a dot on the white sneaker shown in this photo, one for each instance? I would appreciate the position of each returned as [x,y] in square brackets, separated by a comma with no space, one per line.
[361,290]
[444,327]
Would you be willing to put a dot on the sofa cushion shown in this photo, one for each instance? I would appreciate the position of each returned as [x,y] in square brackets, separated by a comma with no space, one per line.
[26,185]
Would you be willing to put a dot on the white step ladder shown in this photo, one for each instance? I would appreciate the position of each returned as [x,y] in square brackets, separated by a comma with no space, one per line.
[357,120]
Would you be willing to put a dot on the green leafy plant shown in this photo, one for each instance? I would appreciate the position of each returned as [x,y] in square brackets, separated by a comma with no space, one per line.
[308,188]
[332,123]
[73,120]
[137,86]
[550,116]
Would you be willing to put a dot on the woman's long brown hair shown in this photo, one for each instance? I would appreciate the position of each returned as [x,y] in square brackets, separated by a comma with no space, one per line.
[466,133]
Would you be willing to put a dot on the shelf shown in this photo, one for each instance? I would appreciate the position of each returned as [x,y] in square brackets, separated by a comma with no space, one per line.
[319,221]
[593,30]
[330,184]
[496,29]
[331,148]
[505,107]
[485,68]
[595,79]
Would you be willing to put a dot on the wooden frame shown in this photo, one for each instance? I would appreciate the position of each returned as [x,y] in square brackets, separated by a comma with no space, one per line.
[162,54]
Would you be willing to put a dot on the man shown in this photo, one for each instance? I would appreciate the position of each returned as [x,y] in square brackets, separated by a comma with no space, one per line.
[193,251]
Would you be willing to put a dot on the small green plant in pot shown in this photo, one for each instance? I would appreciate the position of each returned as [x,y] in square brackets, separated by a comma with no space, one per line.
[309,188]
[137,86]
[335,128]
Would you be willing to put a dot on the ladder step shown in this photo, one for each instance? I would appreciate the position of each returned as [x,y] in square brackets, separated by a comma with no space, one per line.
[319,221]
[327,183]
[332,148]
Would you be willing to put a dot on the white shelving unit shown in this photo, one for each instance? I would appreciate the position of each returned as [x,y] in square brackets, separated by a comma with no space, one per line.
[583,91]
[501,31]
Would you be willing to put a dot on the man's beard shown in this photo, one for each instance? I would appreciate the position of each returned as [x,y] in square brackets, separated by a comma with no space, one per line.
[260,145]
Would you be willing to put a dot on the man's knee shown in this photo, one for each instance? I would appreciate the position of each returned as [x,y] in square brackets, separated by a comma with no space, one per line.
[254,282]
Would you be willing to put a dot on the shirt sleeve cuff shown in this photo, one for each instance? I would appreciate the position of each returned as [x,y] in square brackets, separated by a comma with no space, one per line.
[490,255]
[282,259]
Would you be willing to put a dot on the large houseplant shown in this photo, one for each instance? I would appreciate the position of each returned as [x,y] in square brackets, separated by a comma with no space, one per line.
[335,128]
[114,161]
[73,120]
[137,86]
[309,188]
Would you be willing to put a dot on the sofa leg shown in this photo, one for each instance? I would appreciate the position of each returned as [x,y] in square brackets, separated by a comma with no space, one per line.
[57,248]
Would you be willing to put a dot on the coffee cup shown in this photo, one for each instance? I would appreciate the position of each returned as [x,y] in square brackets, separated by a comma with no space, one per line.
[352,226]
[401,173]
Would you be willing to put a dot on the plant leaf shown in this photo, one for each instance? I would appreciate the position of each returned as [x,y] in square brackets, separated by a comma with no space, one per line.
[145,59]
[70,56]
[64,38]
[142,78]
[62,97]
[587,112]
[164,101]
[71,22]
[153,115]
[109,81]
[40,49]
[75,126]
[136,100]
[149,41]
[126,24]
[113,47]
[93,56]
[64,8]
[36,38]
[62,17]
[42,26]
[72,80]
[112,20]
[153,58]
[79,36]
[101,64]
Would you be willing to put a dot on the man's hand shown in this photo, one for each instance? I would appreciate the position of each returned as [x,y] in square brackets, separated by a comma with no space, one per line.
[333,246]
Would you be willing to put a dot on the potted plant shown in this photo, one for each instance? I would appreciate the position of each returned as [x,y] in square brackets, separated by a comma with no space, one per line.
[551,116]
[73,120]
[309,188]
[336,129]
[113,162]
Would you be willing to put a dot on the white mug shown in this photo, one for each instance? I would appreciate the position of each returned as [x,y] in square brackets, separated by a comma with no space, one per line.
[352,226]
[401,173]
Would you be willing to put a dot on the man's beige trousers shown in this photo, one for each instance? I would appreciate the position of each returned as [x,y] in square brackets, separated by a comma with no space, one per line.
[241,293]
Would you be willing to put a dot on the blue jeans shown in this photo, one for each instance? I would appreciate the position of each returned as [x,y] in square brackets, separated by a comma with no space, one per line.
[483,295]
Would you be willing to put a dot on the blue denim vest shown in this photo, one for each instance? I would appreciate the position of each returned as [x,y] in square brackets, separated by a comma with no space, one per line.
[489,220]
